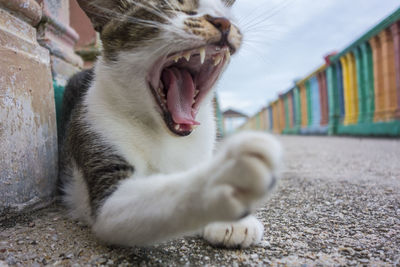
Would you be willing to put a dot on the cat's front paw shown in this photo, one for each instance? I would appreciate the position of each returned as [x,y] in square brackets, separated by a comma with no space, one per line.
[245,171]
[241,234]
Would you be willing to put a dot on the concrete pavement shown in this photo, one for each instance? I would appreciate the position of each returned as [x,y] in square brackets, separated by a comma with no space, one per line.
[338,204]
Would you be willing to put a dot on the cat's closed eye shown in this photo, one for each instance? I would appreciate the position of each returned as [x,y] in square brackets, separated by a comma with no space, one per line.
[191,13]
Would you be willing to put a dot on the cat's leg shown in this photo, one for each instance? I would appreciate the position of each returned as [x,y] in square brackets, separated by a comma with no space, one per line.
[146,210]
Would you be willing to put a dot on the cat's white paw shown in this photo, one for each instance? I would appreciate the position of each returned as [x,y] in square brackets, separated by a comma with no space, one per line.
[241,234]
[244,172]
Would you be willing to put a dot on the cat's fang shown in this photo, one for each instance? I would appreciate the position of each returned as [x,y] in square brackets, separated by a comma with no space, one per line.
[202,55]
[187,55]
[177,127]
[227,55]
[217,60]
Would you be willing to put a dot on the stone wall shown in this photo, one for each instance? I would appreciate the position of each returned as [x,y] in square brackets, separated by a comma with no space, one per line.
[36,58]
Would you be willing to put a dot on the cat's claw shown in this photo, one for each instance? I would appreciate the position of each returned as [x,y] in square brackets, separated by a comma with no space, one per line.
[244,173]
[241,234]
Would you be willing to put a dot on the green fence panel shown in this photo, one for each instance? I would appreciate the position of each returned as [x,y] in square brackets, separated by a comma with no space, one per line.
[360,69]
[333,98]
[368,81]
[286,105]
[298,108]
[309,103]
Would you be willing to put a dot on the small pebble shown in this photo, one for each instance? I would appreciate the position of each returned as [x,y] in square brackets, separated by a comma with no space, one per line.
[101,260]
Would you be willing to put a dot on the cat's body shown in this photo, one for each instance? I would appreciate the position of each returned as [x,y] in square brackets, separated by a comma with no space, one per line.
[133,166]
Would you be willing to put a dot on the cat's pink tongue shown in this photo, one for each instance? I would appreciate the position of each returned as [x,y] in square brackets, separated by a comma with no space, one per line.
[180,95]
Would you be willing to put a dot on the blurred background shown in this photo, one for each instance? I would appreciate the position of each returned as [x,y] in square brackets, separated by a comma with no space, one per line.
[286,40]
[328,67]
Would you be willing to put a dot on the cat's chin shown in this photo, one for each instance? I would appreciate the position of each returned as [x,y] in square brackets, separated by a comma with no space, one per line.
[182,80]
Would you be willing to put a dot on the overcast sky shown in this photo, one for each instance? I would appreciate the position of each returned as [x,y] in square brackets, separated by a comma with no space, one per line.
[286,40]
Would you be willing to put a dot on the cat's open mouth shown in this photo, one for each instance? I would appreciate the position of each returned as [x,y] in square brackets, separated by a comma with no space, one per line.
[182,80]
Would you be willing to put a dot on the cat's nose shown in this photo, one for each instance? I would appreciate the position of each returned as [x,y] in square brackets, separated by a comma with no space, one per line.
[221,23]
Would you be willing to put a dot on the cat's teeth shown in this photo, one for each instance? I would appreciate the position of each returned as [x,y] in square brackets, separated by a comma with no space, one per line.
[176,58]
[177,127]
[187,55]
[227,54]
[202,55]
[194,102]
[217,60]
[196,92]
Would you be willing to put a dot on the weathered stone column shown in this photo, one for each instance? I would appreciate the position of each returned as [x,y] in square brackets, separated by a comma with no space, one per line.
[28,132]
[55,34]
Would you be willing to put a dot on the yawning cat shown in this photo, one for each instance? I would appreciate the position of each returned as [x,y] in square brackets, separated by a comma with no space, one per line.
[137,159]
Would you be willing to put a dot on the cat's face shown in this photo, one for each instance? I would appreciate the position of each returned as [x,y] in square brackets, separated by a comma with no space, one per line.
[182,46]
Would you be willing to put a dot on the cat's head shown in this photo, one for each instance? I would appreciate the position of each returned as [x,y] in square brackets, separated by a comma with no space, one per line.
[181,46]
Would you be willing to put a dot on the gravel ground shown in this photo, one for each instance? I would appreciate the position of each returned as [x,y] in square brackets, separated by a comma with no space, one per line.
[338,204]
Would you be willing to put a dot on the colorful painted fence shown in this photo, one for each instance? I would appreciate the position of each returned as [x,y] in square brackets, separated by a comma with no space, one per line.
[356,91]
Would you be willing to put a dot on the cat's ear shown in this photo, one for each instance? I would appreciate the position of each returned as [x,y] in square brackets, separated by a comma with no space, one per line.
[229,3]
[100,11]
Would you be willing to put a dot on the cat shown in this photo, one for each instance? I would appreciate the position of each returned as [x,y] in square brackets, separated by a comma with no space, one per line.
[138,137]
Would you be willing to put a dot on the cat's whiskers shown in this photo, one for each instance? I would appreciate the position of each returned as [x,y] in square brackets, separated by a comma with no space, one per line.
[249,21]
